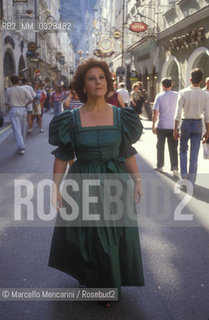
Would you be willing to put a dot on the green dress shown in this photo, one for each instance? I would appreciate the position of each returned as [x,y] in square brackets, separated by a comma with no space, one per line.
[98,256]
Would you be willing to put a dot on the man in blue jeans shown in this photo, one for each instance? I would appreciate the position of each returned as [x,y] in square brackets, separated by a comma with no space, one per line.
[192,105]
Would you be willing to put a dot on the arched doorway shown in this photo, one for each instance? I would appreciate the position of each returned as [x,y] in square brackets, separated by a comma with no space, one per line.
[171,68]
[9,66]
[21,66]
[174,74]
[198,59]
[202,62]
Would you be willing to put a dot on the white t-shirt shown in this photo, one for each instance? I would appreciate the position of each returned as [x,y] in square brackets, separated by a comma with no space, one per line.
[32,92]
[192,103]
[125,95]
[17,96]
[165,103]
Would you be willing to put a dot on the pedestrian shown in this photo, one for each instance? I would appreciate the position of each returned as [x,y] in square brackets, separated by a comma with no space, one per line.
[65,92]
[100,135]
[136,98]
[18,98]
[56,100]
[43,98]
[124,94]
[164,109]
[192,105]
[72,101]
[114,98]
[206,88]
[46,103]
[30,106]
[37,111]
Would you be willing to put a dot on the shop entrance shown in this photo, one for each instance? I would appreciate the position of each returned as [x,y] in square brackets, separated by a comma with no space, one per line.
[202,62]
[174,74]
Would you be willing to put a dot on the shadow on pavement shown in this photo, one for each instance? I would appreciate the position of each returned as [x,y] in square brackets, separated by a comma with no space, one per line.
[201,193]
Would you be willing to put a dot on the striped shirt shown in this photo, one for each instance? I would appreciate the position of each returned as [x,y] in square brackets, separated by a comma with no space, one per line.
[74,103]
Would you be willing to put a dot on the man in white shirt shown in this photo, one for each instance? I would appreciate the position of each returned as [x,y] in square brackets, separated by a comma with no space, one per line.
[164,110]
[192,104]
[18,98]
[206,85]
[30,106]
[124,94]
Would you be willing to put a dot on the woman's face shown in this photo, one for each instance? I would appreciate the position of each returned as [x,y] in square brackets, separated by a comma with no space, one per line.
[95,83]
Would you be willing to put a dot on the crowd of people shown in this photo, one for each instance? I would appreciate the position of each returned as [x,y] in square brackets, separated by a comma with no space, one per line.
[27,101]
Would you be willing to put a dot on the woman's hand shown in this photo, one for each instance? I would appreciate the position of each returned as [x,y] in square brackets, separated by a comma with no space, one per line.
[137,192]
[56,199]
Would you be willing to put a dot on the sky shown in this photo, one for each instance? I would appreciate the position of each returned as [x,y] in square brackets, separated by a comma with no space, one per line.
[71,11]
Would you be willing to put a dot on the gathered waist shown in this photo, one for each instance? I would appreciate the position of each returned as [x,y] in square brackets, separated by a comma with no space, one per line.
[111,164]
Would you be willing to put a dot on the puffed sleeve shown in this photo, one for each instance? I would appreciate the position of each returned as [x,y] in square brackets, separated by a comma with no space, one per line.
[61,135]
[131,131]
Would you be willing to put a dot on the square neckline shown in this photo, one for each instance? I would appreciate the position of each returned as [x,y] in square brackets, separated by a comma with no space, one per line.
[96,127]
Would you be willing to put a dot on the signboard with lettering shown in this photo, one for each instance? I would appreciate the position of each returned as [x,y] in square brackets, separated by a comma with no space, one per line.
[37,73]
[138,27]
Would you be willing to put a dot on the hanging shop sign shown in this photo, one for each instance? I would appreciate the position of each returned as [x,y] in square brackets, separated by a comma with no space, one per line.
[101,54]
[32,47]
[34,59]
[117,34]
[120,71]
[37,73]
[138,27]
[106,44]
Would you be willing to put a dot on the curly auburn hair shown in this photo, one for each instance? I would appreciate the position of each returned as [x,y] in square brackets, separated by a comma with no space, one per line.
[79,77]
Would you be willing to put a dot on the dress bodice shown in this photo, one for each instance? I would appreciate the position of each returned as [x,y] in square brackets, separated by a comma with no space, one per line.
[98,144]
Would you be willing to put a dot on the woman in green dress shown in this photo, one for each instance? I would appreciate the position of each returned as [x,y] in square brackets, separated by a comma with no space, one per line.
[100,136]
